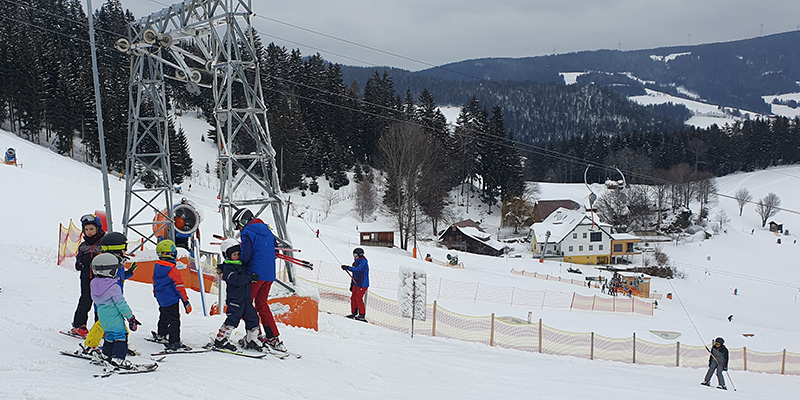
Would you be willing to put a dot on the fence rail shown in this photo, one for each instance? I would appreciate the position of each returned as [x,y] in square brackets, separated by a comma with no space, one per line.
[539,338]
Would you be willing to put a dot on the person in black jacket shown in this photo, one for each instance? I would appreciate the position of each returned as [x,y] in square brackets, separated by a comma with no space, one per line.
[238,299]
[90,247]
[717,361]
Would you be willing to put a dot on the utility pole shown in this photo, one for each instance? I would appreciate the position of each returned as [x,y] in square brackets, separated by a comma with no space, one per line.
[99,110]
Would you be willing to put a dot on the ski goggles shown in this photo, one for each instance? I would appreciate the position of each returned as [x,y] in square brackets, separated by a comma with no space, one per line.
[91,219]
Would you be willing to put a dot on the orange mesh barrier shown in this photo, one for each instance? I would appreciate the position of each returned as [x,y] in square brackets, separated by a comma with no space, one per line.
[523,336]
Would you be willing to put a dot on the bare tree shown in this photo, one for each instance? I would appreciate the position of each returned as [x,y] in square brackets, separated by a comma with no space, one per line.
[366,201]
[409,158]
[612,208]
[720,221]
[768,207]
[517,212]
[331,198]
[743,197]
[706,190]
[639,207]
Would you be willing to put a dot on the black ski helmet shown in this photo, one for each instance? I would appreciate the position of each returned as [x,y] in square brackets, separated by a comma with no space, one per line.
[113,241]
[358,252]
[719,340]
[105,265]
[242,217]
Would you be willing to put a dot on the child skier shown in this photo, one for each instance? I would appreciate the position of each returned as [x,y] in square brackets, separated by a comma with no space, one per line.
[717,361]
[240,305]
[117,244]
[169,291]
[92,229]
[112,310]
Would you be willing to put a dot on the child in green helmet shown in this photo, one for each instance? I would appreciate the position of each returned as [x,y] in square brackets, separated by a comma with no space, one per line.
[169,291]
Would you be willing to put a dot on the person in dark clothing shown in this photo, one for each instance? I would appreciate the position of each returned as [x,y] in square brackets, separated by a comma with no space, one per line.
[238,299]
[92,228]
[258,256]
[717,361]
[358,284]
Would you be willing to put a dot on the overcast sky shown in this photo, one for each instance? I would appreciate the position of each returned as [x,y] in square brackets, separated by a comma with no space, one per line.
[435,32]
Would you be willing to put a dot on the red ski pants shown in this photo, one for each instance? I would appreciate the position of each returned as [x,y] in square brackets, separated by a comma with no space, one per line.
[260,295]
[357,300]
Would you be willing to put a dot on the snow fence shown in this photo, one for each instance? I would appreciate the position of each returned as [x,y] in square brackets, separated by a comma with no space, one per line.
[539,338]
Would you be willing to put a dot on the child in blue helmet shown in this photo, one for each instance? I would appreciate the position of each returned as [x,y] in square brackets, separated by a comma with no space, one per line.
[169,291]
[92,228]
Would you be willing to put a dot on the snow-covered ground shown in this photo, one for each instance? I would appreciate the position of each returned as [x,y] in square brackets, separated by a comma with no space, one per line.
[351,360]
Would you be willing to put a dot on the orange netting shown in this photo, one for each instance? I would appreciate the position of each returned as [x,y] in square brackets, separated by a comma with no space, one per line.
[69,238]
[537,337]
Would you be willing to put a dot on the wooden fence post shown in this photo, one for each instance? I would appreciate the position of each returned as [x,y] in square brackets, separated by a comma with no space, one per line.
[783,363]
[572,302]
[594,299]
[591,351]
[744,357]
[634,347]
[678,354]
[433,327]
[491,333]
[540,335]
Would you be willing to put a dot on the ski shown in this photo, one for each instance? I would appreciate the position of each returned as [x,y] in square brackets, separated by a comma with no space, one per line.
[88,356]
[210,346]
[155,338]
[277,354]
[190,351]
[138,369]
[70,334]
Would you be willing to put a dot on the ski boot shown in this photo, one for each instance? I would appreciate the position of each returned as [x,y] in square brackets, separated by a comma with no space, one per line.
[225,344]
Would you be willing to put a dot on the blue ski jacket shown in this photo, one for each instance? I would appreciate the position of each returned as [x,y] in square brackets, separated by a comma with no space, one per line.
[360,270]
[258,250]
[168,284]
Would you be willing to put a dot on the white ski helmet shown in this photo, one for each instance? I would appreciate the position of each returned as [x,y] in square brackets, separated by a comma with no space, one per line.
[105,265]
[228,247]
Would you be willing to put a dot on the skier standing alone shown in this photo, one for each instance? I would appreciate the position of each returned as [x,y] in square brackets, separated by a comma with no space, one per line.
[258,256]
[358,285]
[90,247]
[717,361]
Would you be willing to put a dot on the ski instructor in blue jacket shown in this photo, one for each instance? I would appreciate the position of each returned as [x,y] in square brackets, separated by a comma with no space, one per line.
[258,256]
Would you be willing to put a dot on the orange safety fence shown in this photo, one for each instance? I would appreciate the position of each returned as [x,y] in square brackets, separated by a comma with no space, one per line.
[578,282]
[539,338]
[441,289]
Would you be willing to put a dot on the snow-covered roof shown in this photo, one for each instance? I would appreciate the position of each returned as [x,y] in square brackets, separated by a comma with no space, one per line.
[624,236]
[561,222]
[479,235]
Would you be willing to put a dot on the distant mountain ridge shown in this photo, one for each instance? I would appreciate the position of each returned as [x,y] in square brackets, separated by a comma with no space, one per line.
[732,74]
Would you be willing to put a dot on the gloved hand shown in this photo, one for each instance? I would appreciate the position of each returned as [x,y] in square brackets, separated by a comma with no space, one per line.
[78,265]
[345,267]
[187,307]
[133,267]
[254,277]
[133,323]
[724,368]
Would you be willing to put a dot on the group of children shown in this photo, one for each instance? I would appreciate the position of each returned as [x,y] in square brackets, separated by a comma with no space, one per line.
[101,258]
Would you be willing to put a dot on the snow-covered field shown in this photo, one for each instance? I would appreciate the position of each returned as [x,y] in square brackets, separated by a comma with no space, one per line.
[346,359]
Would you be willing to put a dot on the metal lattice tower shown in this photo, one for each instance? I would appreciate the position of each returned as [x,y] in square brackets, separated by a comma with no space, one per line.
[220,30]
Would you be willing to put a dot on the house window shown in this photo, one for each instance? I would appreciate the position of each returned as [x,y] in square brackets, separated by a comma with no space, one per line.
[574,235]
[596,237]
[570,248]
[618,248]
[580,248]
[630,248]
[584,235]
[374,237]
[591,247]
[600,247]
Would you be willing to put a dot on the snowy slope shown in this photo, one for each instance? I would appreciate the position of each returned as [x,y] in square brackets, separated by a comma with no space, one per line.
[348,359]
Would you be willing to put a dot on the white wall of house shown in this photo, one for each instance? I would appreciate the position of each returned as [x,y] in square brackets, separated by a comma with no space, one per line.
[585,241]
